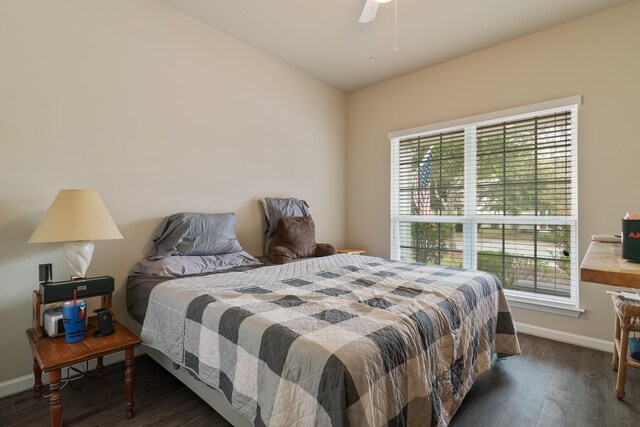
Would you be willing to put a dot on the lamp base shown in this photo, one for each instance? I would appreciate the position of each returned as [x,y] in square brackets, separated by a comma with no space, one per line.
[78,256]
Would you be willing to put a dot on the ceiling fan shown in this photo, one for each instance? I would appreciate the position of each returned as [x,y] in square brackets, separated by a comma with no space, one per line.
[370,9]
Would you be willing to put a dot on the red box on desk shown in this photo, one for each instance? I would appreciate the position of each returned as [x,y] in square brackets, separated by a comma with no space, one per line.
[631,240]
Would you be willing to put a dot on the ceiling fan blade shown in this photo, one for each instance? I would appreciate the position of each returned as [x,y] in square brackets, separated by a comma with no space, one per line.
[369,11]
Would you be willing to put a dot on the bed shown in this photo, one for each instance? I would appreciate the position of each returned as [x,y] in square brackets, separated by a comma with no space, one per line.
[339,340]
[335,340]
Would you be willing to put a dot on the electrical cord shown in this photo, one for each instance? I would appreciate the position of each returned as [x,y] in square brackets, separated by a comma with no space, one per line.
[69,378]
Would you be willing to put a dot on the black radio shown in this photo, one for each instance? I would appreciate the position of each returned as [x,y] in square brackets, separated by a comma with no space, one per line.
[60,291]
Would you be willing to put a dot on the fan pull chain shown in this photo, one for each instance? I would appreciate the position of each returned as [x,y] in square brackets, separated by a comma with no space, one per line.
[371,57]
[395,45]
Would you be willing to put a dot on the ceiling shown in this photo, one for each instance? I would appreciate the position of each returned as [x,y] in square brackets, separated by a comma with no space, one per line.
[323,37]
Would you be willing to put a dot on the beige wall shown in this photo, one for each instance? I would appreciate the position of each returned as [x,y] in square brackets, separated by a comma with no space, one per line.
[159,113]
[596,57]
[156,111]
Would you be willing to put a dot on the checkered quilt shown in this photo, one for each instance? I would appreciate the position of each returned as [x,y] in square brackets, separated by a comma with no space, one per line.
[340,340]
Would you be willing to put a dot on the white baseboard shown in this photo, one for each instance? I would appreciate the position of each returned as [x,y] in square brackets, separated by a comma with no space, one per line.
[566,337]
[16,385]
[25,382]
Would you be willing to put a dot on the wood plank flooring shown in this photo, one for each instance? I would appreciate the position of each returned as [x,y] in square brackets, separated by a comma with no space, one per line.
[550,384]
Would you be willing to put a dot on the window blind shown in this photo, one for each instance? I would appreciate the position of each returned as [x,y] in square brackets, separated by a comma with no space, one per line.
[431,174]
[524,166]
[499,195]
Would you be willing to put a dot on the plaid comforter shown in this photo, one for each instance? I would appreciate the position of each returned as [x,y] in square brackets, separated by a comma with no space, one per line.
[341,340]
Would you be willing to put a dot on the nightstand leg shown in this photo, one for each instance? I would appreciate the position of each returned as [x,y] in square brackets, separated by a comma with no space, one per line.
[37,377]
[128,381]
[55,405]
[99,367]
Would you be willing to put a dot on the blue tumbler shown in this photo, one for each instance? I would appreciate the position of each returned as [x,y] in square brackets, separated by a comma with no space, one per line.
[74,317]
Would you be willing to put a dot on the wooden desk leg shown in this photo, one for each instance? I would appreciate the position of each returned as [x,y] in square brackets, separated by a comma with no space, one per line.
[37,379]
[128,381]
[616,336]
[55,405]
[99,367]
[622,365]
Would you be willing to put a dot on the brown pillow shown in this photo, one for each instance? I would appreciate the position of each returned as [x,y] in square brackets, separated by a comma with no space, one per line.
[295,237]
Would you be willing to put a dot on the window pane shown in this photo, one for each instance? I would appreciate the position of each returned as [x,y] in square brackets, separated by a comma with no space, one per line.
[432,243]
[524,166]
[529,258]
[431,175]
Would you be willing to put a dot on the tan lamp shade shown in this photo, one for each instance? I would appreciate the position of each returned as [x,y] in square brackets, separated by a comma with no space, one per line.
[74,216]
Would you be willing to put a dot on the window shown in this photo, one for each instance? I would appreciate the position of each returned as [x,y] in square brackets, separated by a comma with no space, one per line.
[497,193]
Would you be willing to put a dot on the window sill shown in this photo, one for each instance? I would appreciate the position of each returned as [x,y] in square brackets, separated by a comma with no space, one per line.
[569,310]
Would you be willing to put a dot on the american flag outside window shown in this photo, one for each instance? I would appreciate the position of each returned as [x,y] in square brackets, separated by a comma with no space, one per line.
[422,195]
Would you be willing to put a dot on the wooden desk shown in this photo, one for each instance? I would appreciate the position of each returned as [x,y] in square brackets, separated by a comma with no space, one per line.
[603,264]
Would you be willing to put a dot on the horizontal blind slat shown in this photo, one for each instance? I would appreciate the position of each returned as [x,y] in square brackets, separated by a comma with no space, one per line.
[521,168]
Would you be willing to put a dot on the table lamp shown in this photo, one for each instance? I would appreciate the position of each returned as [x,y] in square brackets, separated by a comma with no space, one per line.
[77,218]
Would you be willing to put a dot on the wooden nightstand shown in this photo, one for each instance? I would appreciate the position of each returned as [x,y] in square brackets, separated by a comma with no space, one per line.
[52,354]
[351,251]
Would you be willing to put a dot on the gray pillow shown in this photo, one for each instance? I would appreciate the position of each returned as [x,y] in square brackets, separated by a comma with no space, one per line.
[276,208]
[188,233]
[178,266]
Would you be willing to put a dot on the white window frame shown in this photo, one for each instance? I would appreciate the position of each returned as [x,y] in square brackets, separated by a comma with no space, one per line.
[470,219]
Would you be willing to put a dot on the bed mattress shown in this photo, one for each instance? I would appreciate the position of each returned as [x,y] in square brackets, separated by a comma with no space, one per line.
[139,285]
[339,340]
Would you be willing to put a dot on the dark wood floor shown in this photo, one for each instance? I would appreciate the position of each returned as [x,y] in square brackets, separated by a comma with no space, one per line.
[550,384]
